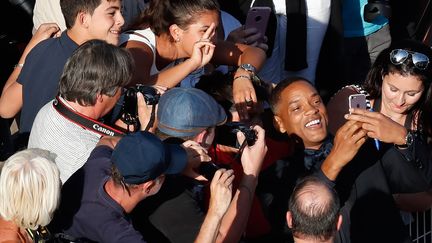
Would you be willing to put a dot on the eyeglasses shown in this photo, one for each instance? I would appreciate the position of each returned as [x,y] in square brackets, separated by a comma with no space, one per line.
[399,56]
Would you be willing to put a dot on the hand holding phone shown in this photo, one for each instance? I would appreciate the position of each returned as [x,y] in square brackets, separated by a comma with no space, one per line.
[258,18]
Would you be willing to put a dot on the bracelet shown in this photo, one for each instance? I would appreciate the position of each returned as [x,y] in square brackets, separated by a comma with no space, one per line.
[242,76]
[20,65]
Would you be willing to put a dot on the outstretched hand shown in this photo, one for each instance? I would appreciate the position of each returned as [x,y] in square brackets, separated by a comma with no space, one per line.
[244,96]
[221,191]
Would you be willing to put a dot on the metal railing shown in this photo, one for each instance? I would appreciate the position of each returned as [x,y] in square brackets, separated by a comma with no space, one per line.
[420,228]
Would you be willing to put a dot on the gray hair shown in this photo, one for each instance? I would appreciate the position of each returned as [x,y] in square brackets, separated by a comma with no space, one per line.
[29,188]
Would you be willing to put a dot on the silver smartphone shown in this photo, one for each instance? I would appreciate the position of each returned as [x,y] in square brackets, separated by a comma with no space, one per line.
[357,101]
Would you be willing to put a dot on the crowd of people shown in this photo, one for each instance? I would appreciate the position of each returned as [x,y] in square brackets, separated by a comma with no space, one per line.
[169,121]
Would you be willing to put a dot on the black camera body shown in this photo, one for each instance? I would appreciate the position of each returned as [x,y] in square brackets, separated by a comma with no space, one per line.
[227,134]
[130,106]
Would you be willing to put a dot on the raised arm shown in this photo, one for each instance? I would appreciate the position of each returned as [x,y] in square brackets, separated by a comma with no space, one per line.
[221,193]
[235,220]
[11,97]
[202,53]
[232,54]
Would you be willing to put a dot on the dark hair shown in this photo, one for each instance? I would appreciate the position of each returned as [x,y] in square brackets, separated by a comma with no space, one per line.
[96,67]
[317,220]
[280,87]
[71,8]
[383,66]
[161,14]
[118,179]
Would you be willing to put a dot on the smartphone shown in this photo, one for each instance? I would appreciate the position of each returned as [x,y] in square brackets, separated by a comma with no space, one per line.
[357,101]
[258,17]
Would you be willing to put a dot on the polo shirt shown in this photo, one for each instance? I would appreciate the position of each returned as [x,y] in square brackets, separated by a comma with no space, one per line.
[87,211]
[40,75]
[71,143]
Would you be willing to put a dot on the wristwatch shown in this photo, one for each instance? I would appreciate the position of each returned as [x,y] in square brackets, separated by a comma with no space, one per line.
[248,67]
[409,139]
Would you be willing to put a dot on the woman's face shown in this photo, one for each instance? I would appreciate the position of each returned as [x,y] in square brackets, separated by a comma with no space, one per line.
[197,30]
[400,93]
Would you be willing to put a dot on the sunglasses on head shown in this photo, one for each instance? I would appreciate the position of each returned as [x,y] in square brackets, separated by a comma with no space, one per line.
[399,56]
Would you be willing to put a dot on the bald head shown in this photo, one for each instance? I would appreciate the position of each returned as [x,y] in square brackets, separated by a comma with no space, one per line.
[313,209]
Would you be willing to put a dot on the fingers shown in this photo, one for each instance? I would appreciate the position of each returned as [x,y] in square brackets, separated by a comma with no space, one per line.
[244,97]
[196,153]
[249,31]
[263,46]
[364,113]
[160,89]
[260,132]
[253,39]
[204,43]
[47,29]
[140,99]
[209,32]
[189,143]
[240,137]
[144,111]
[224,177]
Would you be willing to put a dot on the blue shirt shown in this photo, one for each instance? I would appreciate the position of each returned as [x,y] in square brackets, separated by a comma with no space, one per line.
[353,19]
[86,209]
[40,76]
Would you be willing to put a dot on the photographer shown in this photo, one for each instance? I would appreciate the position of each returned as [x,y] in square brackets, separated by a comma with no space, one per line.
[89,88]
[97,199]
[193,114]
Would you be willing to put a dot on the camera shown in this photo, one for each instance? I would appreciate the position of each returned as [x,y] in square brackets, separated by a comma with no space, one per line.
[227,134]
[208,169]
[130,106]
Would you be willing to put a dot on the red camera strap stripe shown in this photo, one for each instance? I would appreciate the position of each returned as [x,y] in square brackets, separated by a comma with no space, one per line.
[84,121]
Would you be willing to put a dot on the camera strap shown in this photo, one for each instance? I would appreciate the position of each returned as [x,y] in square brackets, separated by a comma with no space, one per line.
[84,121]
[152,118]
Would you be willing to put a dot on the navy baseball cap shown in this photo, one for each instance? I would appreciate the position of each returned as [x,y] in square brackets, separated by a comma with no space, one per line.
[185,112]
[141,157]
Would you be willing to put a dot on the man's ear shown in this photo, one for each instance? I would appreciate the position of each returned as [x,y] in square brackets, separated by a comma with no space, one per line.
[339,222]
[289,219]
[82,19]
[99,98]
[278,124]
[175,32]
[200,138]
[147,186]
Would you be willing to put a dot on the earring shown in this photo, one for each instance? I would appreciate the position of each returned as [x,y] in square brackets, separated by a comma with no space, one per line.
[178,39]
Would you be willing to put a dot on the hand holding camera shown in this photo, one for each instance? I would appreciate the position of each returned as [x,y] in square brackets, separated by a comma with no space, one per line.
[139,106]
[227,134]
[253,155]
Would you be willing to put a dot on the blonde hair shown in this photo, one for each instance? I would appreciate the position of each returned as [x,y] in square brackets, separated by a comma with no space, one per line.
[29,188]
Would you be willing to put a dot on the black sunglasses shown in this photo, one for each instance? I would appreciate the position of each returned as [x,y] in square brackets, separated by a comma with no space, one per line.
[399,56]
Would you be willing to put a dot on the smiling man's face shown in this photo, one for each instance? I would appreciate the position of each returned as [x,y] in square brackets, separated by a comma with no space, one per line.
[300,111]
